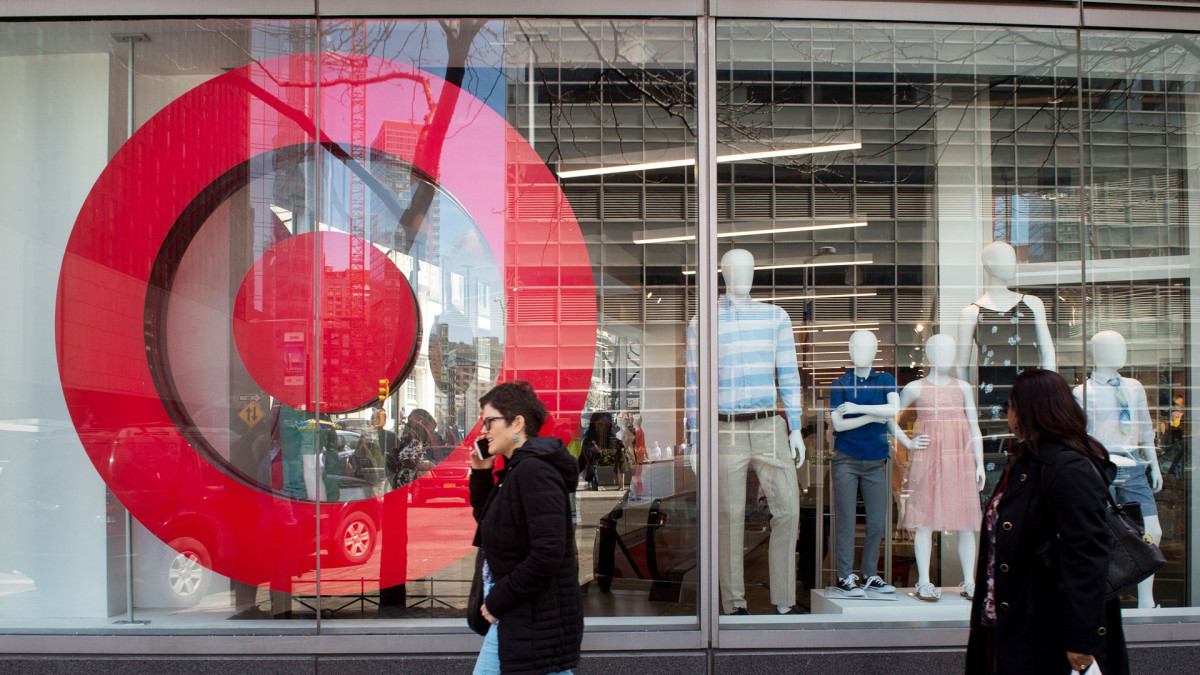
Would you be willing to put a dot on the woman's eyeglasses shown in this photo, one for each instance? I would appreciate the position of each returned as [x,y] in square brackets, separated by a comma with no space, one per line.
[486,423]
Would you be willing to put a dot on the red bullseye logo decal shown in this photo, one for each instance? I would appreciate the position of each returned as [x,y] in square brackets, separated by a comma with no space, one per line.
[305,309]
[271,335]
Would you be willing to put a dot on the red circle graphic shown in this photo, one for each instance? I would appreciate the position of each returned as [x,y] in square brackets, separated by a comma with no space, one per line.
[272,319]
[108,271]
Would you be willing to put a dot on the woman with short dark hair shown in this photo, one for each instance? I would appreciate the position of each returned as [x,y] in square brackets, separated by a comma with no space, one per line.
[526,538]
[1041,577]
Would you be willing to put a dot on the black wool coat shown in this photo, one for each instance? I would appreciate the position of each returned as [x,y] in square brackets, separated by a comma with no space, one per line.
[1041,617]
[528,540]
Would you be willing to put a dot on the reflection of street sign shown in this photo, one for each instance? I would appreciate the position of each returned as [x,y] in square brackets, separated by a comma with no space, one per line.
[251,414]
[250,397]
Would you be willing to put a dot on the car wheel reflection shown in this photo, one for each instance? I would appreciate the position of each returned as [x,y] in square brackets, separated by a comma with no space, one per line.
[175,576]
[357,539]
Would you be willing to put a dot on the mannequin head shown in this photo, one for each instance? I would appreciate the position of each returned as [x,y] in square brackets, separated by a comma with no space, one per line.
[737,268]
[939,351]
[863,347]
[1108,350]
[1000,261]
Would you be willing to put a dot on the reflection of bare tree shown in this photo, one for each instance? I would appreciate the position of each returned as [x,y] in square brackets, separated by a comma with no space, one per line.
[459,36]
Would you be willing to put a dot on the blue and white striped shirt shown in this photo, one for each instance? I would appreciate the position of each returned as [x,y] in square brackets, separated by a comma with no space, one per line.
[756,362]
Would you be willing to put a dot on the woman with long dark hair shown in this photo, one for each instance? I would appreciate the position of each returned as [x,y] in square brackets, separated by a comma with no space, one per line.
[1041,577]
[529,575]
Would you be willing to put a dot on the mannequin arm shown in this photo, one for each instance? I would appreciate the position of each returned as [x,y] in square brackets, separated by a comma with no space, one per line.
[796,441]
[1151,455]
[847,423]
[1146,437]
[883,410]
[965,340]
[976,436]
[1045,341]
[919,442]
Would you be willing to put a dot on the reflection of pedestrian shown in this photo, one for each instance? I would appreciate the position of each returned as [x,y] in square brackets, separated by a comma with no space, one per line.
[278,466]
[419,434]
[591,464]
[603,434]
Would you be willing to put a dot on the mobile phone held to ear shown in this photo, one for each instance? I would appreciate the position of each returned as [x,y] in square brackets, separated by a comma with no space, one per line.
[481,444]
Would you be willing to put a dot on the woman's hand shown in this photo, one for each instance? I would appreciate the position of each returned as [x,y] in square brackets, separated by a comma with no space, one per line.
[1078,661]
[478,461]
[491,619]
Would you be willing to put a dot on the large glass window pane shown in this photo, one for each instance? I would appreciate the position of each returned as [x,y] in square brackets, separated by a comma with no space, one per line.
[1140,127]
[149,472]
[880,185]
[483,220]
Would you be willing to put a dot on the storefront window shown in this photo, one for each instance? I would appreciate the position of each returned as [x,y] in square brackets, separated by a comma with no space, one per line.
[882,185]
[284,283]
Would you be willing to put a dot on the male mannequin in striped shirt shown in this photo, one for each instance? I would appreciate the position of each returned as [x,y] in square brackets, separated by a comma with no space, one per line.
[756,367]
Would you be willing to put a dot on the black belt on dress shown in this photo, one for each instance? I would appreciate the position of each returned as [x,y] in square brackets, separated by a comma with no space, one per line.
[747,416]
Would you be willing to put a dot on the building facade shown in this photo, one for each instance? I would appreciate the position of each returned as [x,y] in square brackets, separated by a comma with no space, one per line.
[261,262]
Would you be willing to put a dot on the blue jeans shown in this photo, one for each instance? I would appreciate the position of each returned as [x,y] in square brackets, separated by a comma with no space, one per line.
[851,476]
[488,662]
[1131,484]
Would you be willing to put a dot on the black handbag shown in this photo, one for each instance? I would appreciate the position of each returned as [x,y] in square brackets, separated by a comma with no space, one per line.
[475,599]
[1132,554]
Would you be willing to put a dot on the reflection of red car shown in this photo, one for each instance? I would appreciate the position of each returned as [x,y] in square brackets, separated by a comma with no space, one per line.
[443,476]
[350,535]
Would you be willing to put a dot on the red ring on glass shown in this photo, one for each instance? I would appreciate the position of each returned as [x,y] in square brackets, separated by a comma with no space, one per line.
[474,155]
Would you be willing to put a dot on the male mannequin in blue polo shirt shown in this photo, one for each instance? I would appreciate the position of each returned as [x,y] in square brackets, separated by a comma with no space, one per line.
[756,366]
[863,401]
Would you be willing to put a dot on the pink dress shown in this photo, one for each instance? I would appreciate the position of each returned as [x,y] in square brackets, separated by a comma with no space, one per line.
[941,478]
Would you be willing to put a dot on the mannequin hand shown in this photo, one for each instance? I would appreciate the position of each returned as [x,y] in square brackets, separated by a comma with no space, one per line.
[1156,482]
[920,442]
[796,441]
[478,461]
[848,408]
[980,478]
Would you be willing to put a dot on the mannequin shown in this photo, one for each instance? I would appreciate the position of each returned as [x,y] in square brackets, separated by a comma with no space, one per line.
[1125,430]
[756,366]
[1010,334]
[946,466]
[863,402]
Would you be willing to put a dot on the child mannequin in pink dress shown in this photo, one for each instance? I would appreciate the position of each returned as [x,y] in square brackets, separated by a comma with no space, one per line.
[945,465]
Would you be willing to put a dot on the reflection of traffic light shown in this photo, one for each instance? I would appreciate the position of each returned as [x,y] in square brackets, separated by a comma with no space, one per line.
[383,390]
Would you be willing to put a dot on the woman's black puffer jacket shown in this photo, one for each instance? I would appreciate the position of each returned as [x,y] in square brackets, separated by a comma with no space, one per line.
[528,540]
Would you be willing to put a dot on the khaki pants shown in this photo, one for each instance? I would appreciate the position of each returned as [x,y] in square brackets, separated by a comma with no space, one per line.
[762,444]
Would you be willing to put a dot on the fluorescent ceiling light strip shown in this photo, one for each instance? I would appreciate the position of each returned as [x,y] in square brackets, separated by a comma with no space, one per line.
[644,166]
[799,228]
[721,159]
[845,330]
[866,294]
[666,240]
[839,325]
[845,360]
[747,233]
[789,266]
[791,152]
[837,263]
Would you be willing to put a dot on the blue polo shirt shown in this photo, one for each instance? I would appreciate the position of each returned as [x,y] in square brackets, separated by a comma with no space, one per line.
[870,440]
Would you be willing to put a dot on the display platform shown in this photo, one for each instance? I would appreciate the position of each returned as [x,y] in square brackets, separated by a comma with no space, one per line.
[901,606]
